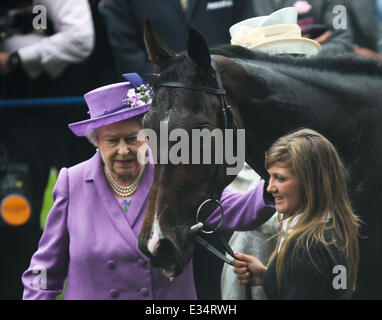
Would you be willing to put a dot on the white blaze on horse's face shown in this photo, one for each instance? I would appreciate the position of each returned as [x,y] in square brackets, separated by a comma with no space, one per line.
[156,236]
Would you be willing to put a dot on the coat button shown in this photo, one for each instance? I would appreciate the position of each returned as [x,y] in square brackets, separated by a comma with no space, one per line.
[114,293]
[142,262]
[111,264]
[144,292]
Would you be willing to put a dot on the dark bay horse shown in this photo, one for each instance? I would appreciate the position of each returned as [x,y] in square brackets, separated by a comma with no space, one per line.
[340,97]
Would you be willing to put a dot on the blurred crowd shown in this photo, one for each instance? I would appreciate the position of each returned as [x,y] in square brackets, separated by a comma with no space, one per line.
[61,48]
[88,43]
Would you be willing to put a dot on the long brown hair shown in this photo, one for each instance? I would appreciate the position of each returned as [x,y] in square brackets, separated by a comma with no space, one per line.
[323,192]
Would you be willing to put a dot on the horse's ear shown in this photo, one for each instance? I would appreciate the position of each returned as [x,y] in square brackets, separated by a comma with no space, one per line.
[197,50]
[156,49]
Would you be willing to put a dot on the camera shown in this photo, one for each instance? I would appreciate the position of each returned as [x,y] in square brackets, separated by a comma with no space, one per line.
[20,20]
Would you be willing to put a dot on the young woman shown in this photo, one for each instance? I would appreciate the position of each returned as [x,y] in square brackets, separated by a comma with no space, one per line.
[316,256]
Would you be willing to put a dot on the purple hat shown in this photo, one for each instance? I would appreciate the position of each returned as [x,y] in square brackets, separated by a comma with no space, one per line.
[114,103]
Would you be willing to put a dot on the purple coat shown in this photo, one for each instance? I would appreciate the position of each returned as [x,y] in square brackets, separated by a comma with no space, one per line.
[91,242]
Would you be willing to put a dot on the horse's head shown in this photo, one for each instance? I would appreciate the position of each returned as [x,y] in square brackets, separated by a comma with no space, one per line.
[180,183]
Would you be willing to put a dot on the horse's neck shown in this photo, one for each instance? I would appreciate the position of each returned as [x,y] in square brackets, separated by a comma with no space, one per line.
[272,102]
[276,99]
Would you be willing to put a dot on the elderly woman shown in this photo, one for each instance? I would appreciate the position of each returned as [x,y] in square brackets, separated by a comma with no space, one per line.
[316,256]
[90,237]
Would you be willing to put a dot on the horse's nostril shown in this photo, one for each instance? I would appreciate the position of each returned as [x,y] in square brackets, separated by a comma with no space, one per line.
[166,249]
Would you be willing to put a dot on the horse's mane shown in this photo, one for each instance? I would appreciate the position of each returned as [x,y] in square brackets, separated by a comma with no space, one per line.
[342,63]
[180,67]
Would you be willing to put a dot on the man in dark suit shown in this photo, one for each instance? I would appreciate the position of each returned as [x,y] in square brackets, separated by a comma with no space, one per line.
[170,19]
[316,19]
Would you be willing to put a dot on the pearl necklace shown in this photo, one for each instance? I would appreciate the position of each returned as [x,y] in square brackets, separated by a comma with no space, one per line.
[121,190]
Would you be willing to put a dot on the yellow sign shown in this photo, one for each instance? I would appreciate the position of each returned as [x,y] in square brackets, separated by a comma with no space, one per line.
[15,210]
[19,184]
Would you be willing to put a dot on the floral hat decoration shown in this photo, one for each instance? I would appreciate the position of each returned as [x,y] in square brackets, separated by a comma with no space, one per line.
[115,102]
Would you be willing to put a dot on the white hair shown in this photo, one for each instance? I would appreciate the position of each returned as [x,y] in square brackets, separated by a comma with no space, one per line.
[92,136]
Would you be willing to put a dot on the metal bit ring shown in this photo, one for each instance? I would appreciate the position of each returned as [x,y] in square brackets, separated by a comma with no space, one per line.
[221,211]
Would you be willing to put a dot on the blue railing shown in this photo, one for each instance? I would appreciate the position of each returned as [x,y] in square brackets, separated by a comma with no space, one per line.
[41,102]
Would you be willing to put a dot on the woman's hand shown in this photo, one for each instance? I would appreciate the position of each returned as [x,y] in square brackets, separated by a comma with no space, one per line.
[249,269]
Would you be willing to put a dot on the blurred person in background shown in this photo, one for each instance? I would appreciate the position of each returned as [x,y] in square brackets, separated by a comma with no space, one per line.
[358,32]
[315,17]
[170,19]
[35,48]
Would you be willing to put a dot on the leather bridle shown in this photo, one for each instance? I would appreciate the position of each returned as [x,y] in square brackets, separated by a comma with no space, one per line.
[228,123]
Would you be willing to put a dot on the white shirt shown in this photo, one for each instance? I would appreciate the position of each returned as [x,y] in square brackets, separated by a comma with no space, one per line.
[72,42]
[287,227]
